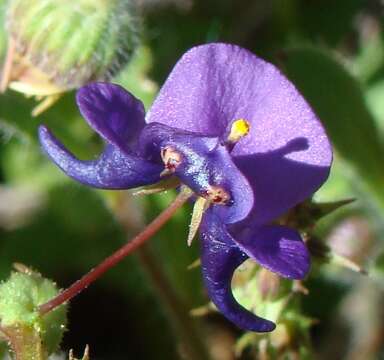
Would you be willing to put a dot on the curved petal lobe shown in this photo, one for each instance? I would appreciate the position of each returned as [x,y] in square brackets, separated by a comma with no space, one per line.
[220,257]
[112,111]
[277,248]
[112,170]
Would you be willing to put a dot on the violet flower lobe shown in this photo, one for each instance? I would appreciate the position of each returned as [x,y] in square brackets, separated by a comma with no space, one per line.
[234,130]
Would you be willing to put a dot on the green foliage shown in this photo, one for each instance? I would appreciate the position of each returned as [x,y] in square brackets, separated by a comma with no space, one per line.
[96,38]
[339,102]
[75,227]
[20,297]
[327,19]
[369,62]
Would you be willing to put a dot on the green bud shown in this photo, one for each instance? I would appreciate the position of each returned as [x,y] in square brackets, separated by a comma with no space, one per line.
[20,321]
[58,45]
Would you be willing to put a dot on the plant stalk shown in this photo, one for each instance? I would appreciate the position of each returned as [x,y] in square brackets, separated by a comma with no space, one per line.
[119,255]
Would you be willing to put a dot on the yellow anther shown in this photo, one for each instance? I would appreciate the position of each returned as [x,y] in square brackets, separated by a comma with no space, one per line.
[239,129]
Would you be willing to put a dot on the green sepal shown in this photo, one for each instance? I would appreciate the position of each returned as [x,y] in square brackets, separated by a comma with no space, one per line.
[21,322]
[306,214]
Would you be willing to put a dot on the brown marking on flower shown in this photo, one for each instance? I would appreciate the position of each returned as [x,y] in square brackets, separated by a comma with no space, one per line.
[217,195]
[171,159]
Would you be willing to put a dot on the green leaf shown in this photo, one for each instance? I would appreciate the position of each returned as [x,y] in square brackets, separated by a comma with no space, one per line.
[374,97]
[338,100]
[379,263]
[369,59]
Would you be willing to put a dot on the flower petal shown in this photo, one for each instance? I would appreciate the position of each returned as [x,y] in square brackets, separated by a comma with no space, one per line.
[114,169]
[285,157]
[278,181]
[220,257]
[112,111]
[277,248]
[205,163]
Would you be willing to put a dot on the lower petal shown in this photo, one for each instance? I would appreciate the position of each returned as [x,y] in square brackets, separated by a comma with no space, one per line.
[219,258]
[112,170]
[277,248]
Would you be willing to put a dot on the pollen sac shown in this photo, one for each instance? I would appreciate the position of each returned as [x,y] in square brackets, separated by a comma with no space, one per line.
[171,159]
[217,195]
[239,129]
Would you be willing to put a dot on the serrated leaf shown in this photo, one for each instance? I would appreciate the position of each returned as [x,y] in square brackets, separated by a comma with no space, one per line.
[338,100]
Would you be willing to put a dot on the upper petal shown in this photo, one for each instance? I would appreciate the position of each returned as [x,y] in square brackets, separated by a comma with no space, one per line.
[114,169]
[220,257]
[286,156]
[277,248]
[112,111]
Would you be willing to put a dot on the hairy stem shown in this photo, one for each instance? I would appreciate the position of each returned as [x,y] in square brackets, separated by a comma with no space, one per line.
[119,255]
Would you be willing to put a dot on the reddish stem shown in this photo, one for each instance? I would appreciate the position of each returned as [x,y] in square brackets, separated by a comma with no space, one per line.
[119,255]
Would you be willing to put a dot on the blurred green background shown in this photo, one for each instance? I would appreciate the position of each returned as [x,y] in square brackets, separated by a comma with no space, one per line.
[333,51]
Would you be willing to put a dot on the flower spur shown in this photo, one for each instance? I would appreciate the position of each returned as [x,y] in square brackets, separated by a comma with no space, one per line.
[235,131]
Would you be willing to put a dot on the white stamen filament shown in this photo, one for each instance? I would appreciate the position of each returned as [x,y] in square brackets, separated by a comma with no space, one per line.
[199,208]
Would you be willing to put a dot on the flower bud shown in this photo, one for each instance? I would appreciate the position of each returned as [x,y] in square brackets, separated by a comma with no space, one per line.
[26,330]
[55,45]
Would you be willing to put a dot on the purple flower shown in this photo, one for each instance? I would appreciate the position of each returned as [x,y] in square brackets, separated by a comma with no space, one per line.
[197,132]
